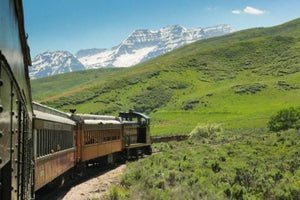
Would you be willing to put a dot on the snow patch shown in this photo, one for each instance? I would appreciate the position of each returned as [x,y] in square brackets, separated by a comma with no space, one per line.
[136,57]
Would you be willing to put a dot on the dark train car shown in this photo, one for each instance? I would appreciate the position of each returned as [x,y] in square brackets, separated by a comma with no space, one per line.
[54,144]
[97,137]
[16,146]
[136,133]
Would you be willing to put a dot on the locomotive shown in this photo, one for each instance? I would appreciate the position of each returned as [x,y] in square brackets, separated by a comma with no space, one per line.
[39,144]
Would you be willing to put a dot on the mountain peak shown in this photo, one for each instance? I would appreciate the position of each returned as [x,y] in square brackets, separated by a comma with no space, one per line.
[139,46]
[172,28]
[51,63]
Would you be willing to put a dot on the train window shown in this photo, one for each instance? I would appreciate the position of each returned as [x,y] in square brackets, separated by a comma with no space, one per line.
[50,141]
[99,136]
[44,143]
[93,138]
[45,147]
[89,137]
[59,140]
[84,138]
[38,143]
[62,142]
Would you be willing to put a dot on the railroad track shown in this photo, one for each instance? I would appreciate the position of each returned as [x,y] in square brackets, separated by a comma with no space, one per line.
[90,172]
[169,138]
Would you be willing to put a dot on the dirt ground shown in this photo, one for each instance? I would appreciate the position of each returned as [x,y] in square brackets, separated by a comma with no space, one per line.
[96,187]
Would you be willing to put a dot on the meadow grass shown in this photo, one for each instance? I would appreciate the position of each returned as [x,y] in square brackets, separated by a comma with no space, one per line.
[241,164]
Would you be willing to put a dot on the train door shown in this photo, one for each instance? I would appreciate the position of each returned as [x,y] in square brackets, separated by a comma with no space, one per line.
[142,133]
[25,155]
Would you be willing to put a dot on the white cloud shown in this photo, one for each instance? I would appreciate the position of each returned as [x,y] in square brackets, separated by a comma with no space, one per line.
[237,12]
[253,11]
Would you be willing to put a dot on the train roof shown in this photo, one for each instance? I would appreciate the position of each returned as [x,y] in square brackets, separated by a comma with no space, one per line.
[96,119]
[133,114]
[53,118]
[50,114]
[46,109]
[93,121]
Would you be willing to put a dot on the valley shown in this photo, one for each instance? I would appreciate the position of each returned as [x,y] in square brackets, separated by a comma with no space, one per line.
[221,92]
[239,80]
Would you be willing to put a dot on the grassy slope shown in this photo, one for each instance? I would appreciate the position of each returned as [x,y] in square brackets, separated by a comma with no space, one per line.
[250,164]
[238,79]
[60,85]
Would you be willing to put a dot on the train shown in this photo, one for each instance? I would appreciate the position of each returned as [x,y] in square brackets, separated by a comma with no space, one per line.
[40,145]
[69,141]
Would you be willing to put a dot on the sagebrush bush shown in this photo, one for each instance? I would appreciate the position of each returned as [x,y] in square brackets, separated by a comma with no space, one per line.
[116,193]
[208,131]
[285,119]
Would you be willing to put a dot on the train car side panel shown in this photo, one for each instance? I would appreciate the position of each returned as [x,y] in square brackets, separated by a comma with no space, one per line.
[13,47]
[51,167]
[5,128]
[97,136]
[55,145]
[89,152]
[15,140]
[16,172]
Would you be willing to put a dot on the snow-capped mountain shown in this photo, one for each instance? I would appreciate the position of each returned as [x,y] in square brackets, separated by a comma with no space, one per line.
[144,44]
[51,63]
[140,46]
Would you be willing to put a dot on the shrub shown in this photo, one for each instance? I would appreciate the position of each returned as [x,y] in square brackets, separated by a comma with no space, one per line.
[215,167]
[116,193]
[285,119]
[206,131]
[249,88]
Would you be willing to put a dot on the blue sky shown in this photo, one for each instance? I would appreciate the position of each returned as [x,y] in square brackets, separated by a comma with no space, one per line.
[79,24]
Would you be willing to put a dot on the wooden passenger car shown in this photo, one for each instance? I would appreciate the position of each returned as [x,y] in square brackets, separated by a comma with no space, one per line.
[136,133]
[54,144]
[97,136]
[16,147]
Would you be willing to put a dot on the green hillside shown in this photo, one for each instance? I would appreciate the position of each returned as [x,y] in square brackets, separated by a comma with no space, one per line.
[248,164]
[239,80]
